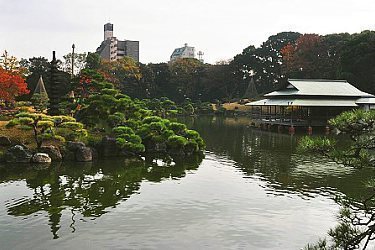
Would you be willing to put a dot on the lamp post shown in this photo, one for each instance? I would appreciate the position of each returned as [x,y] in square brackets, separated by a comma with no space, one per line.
[73,47]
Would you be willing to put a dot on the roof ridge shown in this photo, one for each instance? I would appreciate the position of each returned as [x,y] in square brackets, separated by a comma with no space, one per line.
[316,80]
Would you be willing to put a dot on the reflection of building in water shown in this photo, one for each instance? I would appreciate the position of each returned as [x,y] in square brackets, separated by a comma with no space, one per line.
[112,49]
[273,158]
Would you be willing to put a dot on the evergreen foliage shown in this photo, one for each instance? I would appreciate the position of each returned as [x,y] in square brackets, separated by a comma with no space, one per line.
[139,126]
[40,102]
[49,127]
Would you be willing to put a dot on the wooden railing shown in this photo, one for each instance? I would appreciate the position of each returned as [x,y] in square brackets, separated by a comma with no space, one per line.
[279,119]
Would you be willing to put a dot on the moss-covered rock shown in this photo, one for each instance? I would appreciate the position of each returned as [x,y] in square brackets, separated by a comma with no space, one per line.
[18,154]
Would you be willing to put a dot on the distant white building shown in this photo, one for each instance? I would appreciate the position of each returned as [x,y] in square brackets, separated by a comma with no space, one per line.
[183,52]
[112,49]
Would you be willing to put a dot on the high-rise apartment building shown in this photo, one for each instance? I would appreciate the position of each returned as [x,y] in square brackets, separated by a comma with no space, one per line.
[112,49]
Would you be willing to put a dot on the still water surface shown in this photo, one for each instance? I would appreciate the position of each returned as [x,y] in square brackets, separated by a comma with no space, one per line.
[251,191]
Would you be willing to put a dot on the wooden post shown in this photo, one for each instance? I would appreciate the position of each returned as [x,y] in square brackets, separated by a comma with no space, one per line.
[327,130]
[279,128]
[291,117]
[309,130]
[292,130]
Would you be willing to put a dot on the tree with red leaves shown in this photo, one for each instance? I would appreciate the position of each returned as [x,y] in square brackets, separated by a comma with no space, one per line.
[11,85]
[302,59]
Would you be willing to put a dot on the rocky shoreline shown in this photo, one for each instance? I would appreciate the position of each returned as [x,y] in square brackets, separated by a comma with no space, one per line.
[71,151]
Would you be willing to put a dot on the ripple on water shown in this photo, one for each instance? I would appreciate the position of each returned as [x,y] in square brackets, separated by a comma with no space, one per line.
[252,191]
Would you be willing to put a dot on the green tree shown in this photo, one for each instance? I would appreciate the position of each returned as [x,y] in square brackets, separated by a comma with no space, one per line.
[357,64]
[162,107]
[147,84]
[37,66]
[39,101]
[108,107]
[47,127]
[264,63]
[124,73]
[128,140]
[93,61]
[79,62]
[220,82]
[186,77]
[333,45]
[11,64]
[40,66]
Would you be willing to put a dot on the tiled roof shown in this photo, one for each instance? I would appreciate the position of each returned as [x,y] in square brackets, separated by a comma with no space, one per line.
[313,87]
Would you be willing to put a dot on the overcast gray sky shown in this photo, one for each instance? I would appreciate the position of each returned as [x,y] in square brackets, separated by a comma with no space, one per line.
[221,29]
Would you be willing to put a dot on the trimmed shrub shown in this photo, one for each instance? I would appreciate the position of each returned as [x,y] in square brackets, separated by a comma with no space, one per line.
[150,119]
[122,130]
[176,142]
[191,147]
[177,127]
[134,124]
[127,140]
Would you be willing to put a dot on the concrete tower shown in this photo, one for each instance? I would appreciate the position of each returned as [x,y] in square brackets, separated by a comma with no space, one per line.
[108,31]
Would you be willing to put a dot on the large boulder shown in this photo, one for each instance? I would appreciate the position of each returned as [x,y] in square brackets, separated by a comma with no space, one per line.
[2,156]
[41,158]
[5,141]
[73,146]
[53,152]
[134,161]
[156,147]
[69,155]
[84,154]
[95,154]
[18,154]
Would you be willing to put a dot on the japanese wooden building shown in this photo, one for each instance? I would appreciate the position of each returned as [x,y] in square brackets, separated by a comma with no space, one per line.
[308,103]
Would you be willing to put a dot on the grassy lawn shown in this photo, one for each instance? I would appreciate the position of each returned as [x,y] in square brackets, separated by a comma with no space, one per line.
[236,106]
[17,135]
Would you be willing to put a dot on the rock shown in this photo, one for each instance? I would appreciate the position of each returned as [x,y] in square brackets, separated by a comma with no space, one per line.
[84,154]
[134,161]
[73,146]
[18,154]
[152,147]
[69,156]
[39,166]
[41,158]
[5,141]
[2,156]
[176,152]
[53,152]
[160,147]
[108,147]
[95,154]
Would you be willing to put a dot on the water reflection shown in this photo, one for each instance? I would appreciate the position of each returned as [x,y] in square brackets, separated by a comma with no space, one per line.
[87,189]
[272,157]
[251,192]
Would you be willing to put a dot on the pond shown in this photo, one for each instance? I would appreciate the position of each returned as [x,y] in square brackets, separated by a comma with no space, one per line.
[251,191]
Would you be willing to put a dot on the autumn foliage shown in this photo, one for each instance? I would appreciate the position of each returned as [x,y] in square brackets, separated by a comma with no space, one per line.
[303,56]
[11,85]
